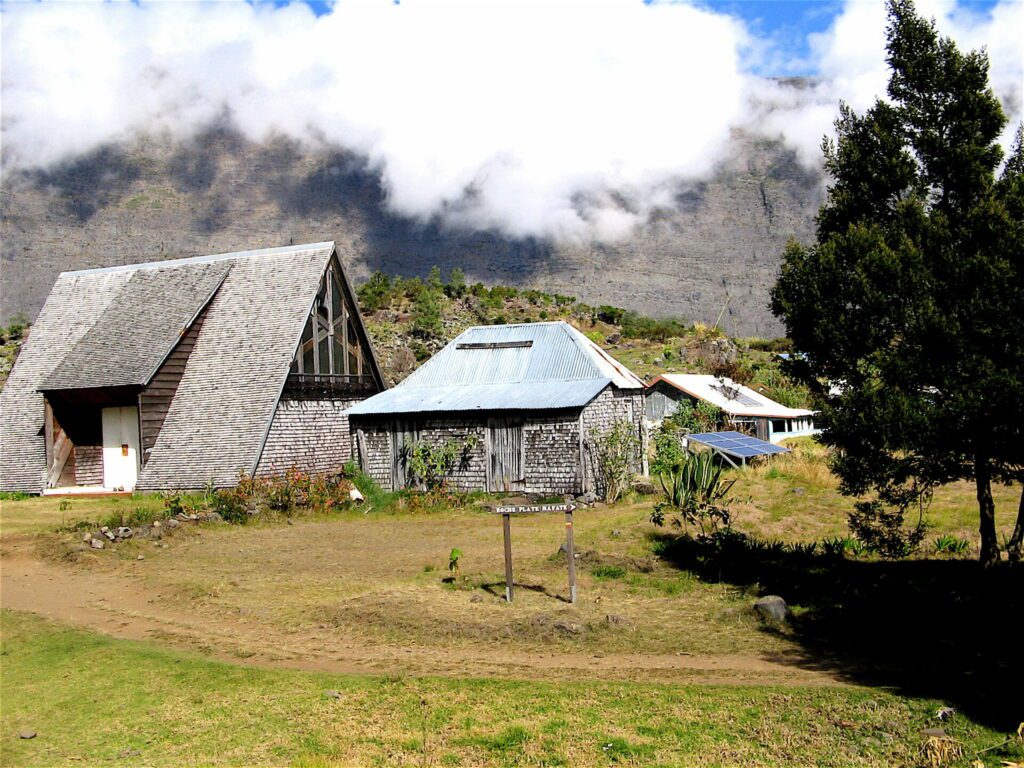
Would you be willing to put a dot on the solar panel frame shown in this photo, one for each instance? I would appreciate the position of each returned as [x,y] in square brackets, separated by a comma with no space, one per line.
[737,444]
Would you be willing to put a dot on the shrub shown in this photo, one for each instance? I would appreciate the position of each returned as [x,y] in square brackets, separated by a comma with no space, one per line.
[453,559]
[375,293]
[231,505]
[696,493]
[951,545]
[430,464]
[608,571]
[615,453]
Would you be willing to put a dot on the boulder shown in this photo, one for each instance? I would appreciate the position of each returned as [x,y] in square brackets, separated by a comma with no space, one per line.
[109,535]
[27,734]
[172,523]
[96,543]
[124,532]
[772,608]
[645,487]
[476,599]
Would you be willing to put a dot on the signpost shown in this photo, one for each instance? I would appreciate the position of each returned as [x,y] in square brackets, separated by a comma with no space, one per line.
[506,513]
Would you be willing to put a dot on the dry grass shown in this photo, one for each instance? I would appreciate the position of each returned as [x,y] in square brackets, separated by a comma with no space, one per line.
[796,498]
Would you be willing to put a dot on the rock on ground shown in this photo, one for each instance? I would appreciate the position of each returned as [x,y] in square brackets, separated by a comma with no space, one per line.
[773,608]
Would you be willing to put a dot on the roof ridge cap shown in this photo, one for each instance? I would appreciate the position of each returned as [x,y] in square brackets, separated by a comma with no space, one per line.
[206,259]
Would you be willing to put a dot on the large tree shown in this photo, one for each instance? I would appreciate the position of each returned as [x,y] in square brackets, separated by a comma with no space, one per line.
[910,303]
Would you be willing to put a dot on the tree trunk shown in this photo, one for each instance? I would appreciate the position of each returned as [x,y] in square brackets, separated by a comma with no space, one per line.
[1017,539]
[987,508]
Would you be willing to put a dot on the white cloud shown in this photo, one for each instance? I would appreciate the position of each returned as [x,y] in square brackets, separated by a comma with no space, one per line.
[560,119]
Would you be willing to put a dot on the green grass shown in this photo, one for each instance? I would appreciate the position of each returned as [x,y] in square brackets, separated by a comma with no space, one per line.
[94,700]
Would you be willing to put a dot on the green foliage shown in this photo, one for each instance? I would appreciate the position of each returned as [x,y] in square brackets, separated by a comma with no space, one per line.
[669,454]
[694,416]
[430,464]
[426,300]
[14,496]
[608,571]
[910,295]
[136,518]
[840,546]
[616,452]
[636,326]
[453,559]
[231,505]
[610,315]
[15,330]
[456,285]
[696,493]
[375,293]
[880,529]
[948,544]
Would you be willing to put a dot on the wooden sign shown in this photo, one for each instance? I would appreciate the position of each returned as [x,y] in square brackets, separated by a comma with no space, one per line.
[506,513]
[527,509]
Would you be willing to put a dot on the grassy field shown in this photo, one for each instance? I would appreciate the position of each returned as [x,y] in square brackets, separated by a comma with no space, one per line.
[93,700]
[661,662]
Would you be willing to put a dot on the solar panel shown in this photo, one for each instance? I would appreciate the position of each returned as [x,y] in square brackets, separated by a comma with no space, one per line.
[737,444]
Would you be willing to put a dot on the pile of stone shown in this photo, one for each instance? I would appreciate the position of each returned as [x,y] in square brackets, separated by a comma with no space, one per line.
[107,535]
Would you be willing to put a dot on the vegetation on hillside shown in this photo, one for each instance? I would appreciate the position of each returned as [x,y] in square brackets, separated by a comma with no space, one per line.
[11,339]
[410,318]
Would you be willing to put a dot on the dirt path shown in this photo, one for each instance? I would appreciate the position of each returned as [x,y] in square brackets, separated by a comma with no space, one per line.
[119,606]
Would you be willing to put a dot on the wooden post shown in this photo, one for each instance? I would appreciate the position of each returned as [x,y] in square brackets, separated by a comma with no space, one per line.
[571,555]
[507,527]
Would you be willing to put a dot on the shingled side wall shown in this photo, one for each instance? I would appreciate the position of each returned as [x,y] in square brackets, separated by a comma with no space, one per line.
[552,447]
[600,415]
[310,435]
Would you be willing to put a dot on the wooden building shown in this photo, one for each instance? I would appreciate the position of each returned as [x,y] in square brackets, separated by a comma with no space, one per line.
[527,402]
[180,373]
[743,409]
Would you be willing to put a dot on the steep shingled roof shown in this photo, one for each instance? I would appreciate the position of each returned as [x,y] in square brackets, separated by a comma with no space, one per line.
[222,410]
[529,366]
[131,338]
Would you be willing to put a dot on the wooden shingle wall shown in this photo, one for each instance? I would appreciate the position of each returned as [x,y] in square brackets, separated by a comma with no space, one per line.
[88,465]
[553,453]
[310,435]
[600,415]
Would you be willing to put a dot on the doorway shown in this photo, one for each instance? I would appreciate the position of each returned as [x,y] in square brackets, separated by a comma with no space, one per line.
[505,464]
[120,447]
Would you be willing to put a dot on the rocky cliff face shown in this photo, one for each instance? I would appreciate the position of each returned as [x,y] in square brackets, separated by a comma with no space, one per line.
[148,199]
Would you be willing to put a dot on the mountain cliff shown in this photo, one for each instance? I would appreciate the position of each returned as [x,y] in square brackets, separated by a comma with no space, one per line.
[717,246]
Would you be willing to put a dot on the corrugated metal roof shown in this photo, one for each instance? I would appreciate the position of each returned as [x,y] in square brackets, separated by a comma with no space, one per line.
[515,396]
[552,366]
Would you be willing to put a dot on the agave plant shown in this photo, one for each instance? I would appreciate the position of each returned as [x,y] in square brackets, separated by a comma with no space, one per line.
[697,493]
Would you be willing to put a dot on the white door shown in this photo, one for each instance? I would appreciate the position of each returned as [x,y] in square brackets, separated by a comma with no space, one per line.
[120,447]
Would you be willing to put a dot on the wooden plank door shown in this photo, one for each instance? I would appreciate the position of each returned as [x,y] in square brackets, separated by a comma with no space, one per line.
[505,460]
